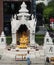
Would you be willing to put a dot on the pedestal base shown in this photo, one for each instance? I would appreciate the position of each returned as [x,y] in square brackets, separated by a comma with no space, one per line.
[21,54]
[2,46]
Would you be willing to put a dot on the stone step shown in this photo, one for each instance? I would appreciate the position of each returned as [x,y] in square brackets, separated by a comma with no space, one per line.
[37,60]
[12,62]
[21,64]
[8,62]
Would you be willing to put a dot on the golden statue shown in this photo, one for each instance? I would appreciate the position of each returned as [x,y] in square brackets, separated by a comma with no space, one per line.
[23,40]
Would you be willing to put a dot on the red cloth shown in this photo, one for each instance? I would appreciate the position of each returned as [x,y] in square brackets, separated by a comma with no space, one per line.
[51,19]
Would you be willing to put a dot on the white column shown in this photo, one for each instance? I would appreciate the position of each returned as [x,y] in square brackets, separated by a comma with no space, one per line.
[32,39]
[13,38]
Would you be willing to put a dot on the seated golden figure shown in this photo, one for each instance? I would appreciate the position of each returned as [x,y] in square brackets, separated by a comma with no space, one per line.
[23,41]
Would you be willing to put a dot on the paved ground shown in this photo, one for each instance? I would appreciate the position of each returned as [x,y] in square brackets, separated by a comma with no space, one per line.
[18,63]
[9,61]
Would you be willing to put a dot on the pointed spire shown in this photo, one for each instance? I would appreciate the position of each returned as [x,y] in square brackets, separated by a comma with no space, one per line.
[32,17]
[47,39]
[23,8]
[2,34]
[47,34]
[23,5]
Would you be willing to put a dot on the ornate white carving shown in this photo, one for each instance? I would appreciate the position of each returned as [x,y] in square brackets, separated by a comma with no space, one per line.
[23,8]
[47,39]
[48,46]
[23,19]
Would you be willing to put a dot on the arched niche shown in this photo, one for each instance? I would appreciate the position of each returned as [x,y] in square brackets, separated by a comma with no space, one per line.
[23,29]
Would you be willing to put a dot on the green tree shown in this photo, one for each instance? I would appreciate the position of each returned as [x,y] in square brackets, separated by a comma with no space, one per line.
[40,8]
[39,12]
[49,11]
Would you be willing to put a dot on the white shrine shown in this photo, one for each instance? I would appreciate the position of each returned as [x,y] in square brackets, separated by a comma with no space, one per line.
[3,40]
[23,26]
[23,38]
[48,39]
[23,35]
[48,46]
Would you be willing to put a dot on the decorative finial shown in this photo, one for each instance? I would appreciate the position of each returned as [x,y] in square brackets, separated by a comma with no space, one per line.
[2,34]
[14,16]
[23,4]
[32,17]
[47,34]
[23,8]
